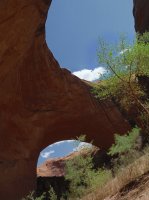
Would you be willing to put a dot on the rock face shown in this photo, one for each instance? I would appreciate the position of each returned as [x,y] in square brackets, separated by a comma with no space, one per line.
[40,103]
[141,15]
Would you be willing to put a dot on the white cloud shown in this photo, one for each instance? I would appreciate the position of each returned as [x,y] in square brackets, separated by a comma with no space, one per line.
[46,154]
[123,51]
[64,141]
[82,145]
[90,75]
[59,143]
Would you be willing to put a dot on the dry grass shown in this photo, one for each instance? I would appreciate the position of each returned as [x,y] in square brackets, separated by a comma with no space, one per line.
[125,176]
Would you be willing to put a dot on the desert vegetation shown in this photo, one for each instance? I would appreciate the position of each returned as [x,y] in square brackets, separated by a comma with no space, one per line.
[127,68]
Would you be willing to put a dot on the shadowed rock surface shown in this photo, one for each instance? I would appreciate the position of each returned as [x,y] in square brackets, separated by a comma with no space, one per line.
[40,103]
[141,15]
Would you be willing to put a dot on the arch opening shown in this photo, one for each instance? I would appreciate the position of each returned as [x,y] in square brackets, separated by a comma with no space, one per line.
[51,165]
[60,149]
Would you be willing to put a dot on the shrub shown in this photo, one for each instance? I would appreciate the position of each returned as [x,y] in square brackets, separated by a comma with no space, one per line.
[125,143]
[51,195]
[82,176]
[126,149]
[32,196]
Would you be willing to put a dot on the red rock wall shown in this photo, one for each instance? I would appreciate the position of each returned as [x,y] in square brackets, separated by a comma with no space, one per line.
[40,103]
[141,15]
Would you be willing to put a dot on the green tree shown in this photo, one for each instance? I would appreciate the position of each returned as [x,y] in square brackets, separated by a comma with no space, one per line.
[125,64]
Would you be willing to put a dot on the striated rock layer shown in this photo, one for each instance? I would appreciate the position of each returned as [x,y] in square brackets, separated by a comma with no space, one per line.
[40,103]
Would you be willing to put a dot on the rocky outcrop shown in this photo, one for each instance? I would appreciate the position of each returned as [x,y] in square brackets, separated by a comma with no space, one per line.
[141,15]
[40,103]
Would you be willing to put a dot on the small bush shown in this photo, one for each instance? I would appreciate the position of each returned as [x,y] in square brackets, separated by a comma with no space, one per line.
[77,172]
[51,195]
[126,149]
[82,176]
[32,196]
[125,143]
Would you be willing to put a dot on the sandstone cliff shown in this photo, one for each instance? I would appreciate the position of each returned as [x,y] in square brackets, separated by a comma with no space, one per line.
[141,15]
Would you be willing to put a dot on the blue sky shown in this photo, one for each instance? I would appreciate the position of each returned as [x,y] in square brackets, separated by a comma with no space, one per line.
[60,149]
[74,26]
[73,30]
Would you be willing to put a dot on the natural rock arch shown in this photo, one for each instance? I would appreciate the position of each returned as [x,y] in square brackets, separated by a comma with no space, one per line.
[40,103]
